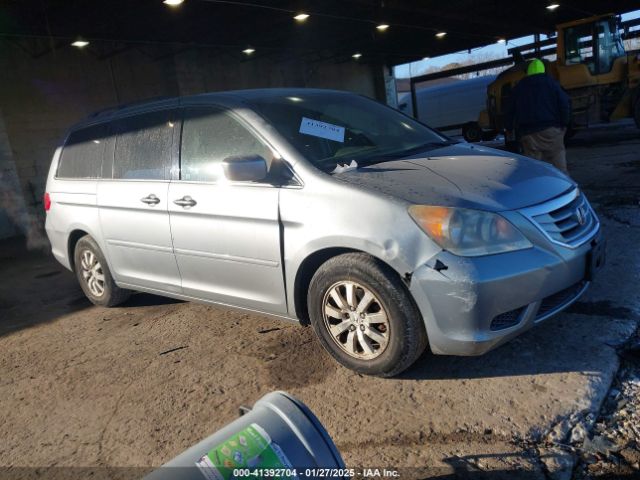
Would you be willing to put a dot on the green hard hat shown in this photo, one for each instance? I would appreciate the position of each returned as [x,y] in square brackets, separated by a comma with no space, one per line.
[535,67]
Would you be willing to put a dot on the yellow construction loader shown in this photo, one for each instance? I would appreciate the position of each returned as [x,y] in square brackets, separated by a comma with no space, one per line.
[602,80]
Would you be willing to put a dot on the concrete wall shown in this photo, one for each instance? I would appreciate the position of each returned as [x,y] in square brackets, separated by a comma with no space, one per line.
[11,206]
[40,97]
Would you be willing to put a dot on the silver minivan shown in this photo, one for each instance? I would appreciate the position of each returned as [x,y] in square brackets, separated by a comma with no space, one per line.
[322,207]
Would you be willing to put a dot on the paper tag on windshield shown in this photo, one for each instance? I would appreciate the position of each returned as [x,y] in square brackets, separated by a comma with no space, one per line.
[322,129]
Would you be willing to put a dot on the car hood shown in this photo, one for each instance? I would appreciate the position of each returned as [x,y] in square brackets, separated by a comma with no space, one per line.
[466,176]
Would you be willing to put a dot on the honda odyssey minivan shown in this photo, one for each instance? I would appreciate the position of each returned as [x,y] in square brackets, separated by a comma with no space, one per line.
[322,207]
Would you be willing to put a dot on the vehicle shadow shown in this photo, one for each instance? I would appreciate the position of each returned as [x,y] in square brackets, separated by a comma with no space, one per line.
[526,465]
[148,300]
[36,289]
[565,343]
[604,135]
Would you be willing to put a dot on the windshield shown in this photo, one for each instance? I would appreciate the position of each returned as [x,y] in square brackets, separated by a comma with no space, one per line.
[337,128]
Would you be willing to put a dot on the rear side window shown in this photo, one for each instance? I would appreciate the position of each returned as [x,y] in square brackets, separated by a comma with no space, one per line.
[83,153]
[208,137]
[143,146]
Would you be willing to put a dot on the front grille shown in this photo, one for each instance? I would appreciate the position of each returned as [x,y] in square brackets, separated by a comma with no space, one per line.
[507,319]
[567,220]
[558,300]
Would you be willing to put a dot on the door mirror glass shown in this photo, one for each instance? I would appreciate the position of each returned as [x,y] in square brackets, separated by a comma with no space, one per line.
[245,168]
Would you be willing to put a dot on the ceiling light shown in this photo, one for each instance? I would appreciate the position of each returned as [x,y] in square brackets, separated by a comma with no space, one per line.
[248,51]
[501,40]
[80,43]
[441,34]
[356,55]
[301,17]
[553,6]
[382,27]
[426,58]
[173,3]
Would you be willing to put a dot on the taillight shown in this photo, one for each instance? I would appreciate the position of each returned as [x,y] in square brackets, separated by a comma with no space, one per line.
[47,202]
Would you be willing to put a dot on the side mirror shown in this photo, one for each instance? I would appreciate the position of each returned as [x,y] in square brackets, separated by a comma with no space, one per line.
[245,168]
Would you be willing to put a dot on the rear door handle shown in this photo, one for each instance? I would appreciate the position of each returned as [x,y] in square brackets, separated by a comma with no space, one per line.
[150,200]
[185,201]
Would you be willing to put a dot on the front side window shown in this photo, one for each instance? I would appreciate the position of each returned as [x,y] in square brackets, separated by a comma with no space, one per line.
[335,128]
[83,153]
[143,146]
[578,44]
[208,137]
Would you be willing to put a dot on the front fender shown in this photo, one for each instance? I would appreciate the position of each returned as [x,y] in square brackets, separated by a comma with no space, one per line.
[332,215]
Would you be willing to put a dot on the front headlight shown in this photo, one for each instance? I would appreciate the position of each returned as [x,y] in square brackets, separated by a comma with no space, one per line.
[468,233]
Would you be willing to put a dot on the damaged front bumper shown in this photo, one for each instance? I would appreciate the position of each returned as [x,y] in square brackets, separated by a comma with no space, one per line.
[472,305]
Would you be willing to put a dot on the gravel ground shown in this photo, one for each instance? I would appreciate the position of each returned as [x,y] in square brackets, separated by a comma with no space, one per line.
[612,446]
[132,387]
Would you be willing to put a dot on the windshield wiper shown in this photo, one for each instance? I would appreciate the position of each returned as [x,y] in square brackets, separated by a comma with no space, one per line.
[417,149]
[372,159]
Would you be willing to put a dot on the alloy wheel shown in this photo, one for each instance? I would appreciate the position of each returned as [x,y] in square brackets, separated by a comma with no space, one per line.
[92,272]
[356,320]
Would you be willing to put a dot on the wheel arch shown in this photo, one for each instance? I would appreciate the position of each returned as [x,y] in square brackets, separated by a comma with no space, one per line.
[310,265]
[72,241]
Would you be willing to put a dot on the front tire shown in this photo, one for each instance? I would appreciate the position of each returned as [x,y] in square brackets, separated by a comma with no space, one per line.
[94,275]
[364,316]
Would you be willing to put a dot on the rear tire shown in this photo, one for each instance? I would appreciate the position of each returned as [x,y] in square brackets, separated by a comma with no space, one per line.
[94,275]
[364,316]
[472,132]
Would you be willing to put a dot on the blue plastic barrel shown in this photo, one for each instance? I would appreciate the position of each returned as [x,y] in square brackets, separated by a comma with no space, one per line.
[278,438]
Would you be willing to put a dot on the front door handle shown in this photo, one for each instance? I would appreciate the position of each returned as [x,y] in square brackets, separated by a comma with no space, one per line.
[185,201]
[150,200]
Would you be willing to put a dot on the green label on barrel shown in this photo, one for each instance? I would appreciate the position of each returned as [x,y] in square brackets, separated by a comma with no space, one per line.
[250,449]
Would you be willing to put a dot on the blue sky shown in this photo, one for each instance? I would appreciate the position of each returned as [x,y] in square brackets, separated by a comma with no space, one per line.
[495,50]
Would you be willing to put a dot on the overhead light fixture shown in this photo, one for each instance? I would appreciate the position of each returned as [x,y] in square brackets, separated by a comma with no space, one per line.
[248,51]
[80,43]
[552,6]
[173,3]
[501,40]
[441,34]
[426,58]
[382,27]
[356,55]
[301,17]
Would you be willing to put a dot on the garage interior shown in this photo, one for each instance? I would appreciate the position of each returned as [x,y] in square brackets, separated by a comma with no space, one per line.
[147,49]
[98,381]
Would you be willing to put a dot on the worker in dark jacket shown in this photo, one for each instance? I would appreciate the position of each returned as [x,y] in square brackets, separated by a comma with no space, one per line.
[539,111]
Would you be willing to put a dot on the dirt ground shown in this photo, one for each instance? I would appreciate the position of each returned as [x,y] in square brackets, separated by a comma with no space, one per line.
[136,385]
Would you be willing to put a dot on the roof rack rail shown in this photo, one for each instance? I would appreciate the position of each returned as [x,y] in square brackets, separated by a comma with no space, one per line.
[122,106]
